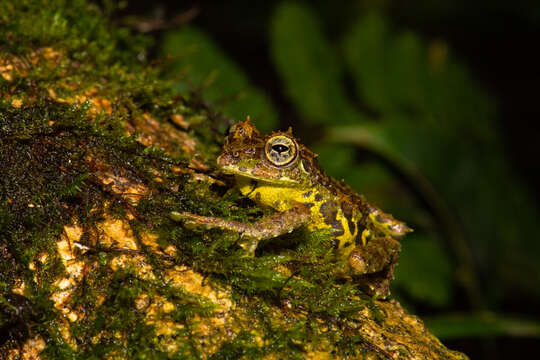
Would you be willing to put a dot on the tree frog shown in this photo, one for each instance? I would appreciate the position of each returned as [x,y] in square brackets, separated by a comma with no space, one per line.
[278,172]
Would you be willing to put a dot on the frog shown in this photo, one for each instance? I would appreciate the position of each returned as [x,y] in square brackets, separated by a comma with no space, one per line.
[278,172]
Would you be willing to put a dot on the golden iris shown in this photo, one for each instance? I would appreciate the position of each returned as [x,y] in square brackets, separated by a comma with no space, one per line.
[280,150]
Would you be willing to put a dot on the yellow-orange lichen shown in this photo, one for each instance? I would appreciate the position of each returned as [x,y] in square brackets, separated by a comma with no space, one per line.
[28,351]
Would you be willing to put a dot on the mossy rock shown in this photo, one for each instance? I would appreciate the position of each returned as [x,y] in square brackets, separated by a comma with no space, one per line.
[96,152]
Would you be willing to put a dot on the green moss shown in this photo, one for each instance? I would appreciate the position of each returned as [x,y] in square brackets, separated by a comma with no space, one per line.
[46,145]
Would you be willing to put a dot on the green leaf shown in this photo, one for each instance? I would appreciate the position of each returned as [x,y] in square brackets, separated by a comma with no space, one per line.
[307,64]
[390,71]
[364,48]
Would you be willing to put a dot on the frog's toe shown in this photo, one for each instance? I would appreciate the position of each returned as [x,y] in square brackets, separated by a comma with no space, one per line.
[248,244]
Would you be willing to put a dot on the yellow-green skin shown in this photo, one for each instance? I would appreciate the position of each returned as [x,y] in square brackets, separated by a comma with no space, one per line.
[282,198]
[302,194]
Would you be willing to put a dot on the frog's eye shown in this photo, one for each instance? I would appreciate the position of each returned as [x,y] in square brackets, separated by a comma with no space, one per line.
[280,150]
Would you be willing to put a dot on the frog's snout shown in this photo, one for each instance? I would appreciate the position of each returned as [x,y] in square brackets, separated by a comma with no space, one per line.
[224,160]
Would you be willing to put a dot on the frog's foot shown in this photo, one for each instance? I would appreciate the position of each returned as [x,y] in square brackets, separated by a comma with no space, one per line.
[248,244]
[377,284]
[251,233]
[374,256]
[373,264]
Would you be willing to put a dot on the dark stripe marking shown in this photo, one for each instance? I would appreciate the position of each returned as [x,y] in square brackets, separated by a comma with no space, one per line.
[347,209]
[309,205]
[329,212]
[358,237]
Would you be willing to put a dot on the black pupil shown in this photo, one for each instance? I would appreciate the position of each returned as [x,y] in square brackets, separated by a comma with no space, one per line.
[280,148]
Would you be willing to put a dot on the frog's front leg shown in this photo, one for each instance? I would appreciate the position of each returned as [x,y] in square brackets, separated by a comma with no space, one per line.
[252,233]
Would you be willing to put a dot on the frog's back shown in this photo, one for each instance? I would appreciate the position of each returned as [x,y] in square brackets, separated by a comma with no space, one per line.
[333,205]
[353,219]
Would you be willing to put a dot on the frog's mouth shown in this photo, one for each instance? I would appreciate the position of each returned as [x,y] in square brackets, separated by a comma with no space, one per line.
[266,177]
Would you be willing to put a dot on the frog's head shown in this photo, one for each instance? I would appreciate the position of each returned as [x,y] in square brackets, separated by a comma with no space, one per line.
[276,158]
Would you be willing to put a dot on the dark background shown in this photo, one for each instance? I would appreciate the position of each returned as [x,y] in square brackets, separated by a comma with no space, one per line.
[495,40]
